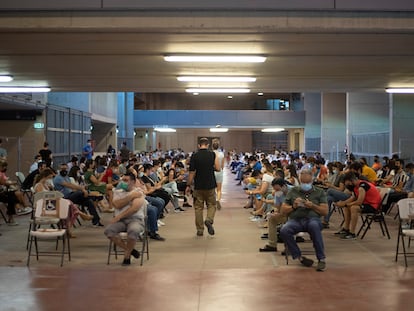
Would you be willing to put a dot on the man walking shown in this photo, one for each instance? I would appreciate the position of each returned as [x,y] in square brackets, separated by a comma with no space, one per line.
[203,163]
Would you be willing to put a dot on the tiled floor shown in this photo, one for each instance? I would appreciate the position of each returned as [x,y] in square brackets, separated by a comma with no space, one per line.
[224,272]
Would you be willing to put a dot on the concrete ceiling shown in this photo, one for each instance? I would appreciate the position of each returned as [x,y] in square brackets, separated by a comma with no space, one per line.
[338,53]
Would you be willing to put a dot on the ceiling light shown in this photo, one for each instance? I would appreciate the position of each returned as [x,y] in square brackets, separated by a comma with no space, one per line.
[219,130]
[260,94]
[400,90]
[272,130]
[195,94]
[165,130]
[215,79]
[216,58]
[217,90]
[24,89]
[6,78]
[230,97]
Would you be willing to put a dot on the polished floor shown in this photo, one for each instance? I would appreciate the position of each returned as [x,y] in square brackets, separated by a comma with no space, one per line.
[224,272]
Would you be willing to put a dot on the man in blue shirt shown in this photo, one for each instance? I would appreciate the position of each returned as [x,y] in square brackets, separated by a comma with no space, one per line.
[87,151]
[75,193]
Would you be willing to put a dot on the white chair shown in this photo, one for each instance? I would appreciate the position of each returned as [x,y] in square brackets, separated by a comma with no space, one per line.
[36,222]
[56,208]
[406,226]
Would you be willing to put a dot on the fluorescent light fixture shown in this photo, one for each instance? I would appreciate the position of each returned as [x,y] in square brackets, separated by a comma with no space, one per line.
[400,90]
[165,130]
[219,130]
[260,94]
[230,97]
[216,58]
[215,79]
[272,130]
[217,90]
[195,94]
[6,78]
[24,89]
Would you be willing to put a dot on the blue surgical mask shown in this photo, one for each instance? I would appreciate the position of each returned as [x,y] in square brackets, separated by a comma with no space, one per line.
[306,187]
[140,174]
[122,185]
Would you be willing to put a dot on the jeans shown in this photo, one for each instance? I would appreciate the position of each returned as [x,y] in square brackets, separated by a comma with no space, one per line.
[311,225]
[152,218]
[158,203]
[333,195]
[77,197]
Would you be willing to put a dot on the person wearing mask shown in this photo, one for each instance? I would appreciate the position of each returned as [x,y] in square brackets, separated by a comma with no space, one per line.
[75,193]
[129,216]
[365,198]
[304,205]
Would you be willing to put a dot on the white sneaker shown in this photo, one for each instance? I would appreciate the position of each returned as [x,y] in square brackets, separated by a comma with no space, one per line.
[160,223]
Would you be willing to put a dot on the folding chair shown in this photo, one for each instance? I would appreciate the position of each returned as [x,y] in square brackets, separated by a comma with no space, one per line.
[405,227]
[28,193]
[36,222]
[378,216]
[143,239]
[58,208]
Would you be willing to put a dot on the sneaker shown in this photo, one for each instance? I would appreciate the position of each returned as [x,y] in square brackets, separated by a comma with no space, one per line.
[349,236]
[307,262]
[126,262]
[209,226]
[342,232]
[135,253]
[179,210]
[156,236]
[185,204]
[268,248]
[24,211]
[255,218]
[218,205]
[12,223]
[321,266]
[160,223]
[98,224]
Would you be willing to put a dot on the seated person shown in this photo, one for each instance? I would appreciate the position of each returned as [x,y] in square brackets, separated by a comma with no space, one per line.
[304,206]
[280,188]
[10,195]
[129,216]
[397,191]
[263,191]
[94,184]
[75,193]
[365,198]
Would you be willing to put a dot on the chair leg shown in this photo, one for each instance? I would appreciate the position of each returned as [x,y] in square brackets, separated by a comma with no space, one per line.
[109,251]
[29,250]
[63,250]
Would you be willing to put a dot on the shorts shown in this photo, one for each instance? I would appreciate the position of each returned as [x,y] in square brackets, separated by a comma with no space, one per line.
[219,176]
[368,209]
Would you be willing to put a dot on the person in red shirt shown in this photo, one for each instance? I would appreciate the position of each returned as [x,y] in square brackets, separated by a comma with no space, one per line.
[365,198]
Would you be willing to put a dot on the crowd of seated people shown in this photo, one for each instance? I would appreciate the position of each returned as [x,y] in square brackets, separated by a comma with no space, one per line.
[352,186]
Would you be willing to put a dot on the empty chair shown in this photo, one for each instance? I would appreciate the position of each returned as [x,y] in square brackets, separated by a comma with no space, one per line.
[406,227]
[53,208]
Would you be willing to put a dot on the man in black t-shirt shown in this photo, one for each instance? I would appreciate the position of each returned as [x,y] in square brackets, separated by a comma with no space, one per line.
[203,163]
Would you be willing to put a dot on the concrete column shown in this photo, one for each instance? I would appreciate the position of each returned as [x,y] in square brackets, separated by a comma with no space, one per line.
[312,107]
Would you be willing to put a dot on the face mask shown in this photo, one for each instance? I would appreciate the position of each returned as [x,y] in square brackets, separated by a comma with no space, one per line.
[335,171]
[63,173]
[123,185]
[140,174]
[350,187]
[306,187]
[159,170]
[263,170]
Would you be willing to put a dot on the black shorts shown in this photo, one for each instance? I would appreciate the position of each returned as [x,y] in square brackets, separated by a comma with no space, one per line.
[368,209]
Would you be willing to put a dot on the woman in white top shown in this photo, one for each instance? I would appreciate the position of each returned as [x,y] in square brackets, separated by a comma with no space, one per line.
[264,190]
[218,175]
